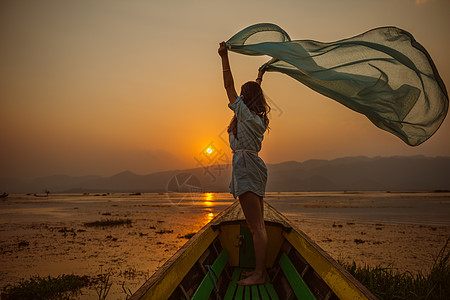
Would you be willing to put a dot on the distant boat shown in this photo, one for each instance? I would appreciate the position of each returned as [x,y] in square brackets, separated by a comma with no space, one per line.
[4,195]
[36,195]
[46,194]
[209,265]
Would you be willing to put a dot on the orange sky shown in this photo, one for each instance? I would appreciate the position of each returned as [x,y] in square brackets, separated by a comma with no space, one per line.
[98,87]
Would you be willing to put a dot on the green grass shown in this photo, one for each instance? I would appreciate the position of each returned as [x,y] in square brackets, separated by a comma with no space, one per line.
[385,283]
[108,222]
[36,288]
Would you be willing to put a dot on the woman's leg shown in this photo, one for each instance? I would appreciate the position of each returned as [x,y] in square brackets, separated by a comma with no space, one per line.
[245,274]
[252,206]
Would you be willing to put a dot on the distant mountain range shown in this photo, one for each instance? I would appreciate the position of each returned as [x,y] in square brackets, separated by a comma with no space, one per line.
[397,173]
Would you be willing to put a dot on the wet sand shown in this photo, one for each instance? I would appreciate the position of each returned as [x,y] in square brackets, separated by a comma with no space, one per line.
[48,236]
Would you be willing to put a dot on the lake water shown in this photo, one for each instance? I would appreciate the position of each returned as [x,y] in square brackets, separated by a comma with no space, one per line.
[396,208]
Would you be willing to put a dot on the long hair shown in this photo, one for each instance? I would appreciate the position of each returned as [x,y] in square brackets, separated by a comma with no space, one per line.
[254,99]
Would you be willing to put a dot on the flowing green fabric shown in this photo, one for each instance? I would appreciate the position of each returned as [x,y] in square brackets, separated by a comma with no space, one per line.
[383,73]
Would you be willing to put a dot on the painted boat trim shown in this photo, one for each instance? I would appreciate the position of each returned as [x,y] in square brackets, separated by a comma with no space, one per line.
[166,279]
[344,285]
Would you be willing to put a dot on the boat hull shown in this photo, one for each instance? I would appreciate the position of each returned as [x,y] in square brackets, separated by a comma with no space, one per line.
[288,249]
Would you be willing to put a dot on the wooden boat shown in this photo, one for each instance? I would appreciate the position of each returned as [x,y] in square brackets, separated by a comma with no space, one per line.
[209,265]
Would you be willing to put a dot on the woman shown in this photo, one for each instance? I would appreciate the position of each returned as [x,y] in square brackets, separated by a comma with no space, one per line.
[249,175]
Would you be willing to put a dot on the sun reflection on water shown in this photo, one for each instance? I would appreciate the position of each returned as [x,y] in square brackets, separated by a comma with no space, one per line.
[208,198]
[210,216]
[208,201]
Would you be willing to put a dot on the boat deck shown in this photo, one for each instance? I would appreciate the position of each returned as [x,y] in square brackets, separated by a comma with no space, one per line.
[211,284]
[263,291]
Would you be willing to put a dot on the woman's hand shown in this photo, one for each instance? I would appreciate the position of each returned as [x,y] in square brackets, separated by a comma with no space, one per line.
[223,51]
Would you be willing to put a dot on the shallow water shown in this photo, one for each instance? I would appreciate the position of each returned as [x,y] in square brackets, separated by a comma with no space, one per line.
[393,208]
[403,208]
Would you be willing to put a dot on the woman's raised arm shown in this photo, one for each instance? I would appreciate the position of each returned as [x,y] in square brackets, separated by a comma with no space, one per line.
[260,75]
[227,76]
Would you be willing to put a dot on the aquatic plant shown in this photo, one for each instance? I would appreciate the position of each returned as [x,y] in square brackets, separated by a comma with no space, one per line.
[386,283]
[127,291]
[36,288]
[108,222]
[103,286]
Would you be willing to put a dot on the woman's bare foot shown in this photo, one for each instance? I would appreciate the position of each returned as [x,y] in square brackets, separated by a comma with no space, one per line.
[254,279]
[246,274]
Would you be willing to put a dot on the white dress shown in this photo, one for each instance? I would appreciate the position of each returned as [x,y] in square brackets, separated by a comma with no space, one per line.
[249,170]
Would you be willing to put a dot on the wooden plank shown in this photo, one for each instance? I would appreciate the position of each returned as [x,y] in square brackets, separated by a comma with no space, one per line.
[164,281]
[274,242]
[239,291]
[335,276]
[207,285]
[229,241]
[272,215]
[232,213]
[255,293]
[270,289]
[233,284]
[247,293]
[247,251]
[299,287]
[263,292]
